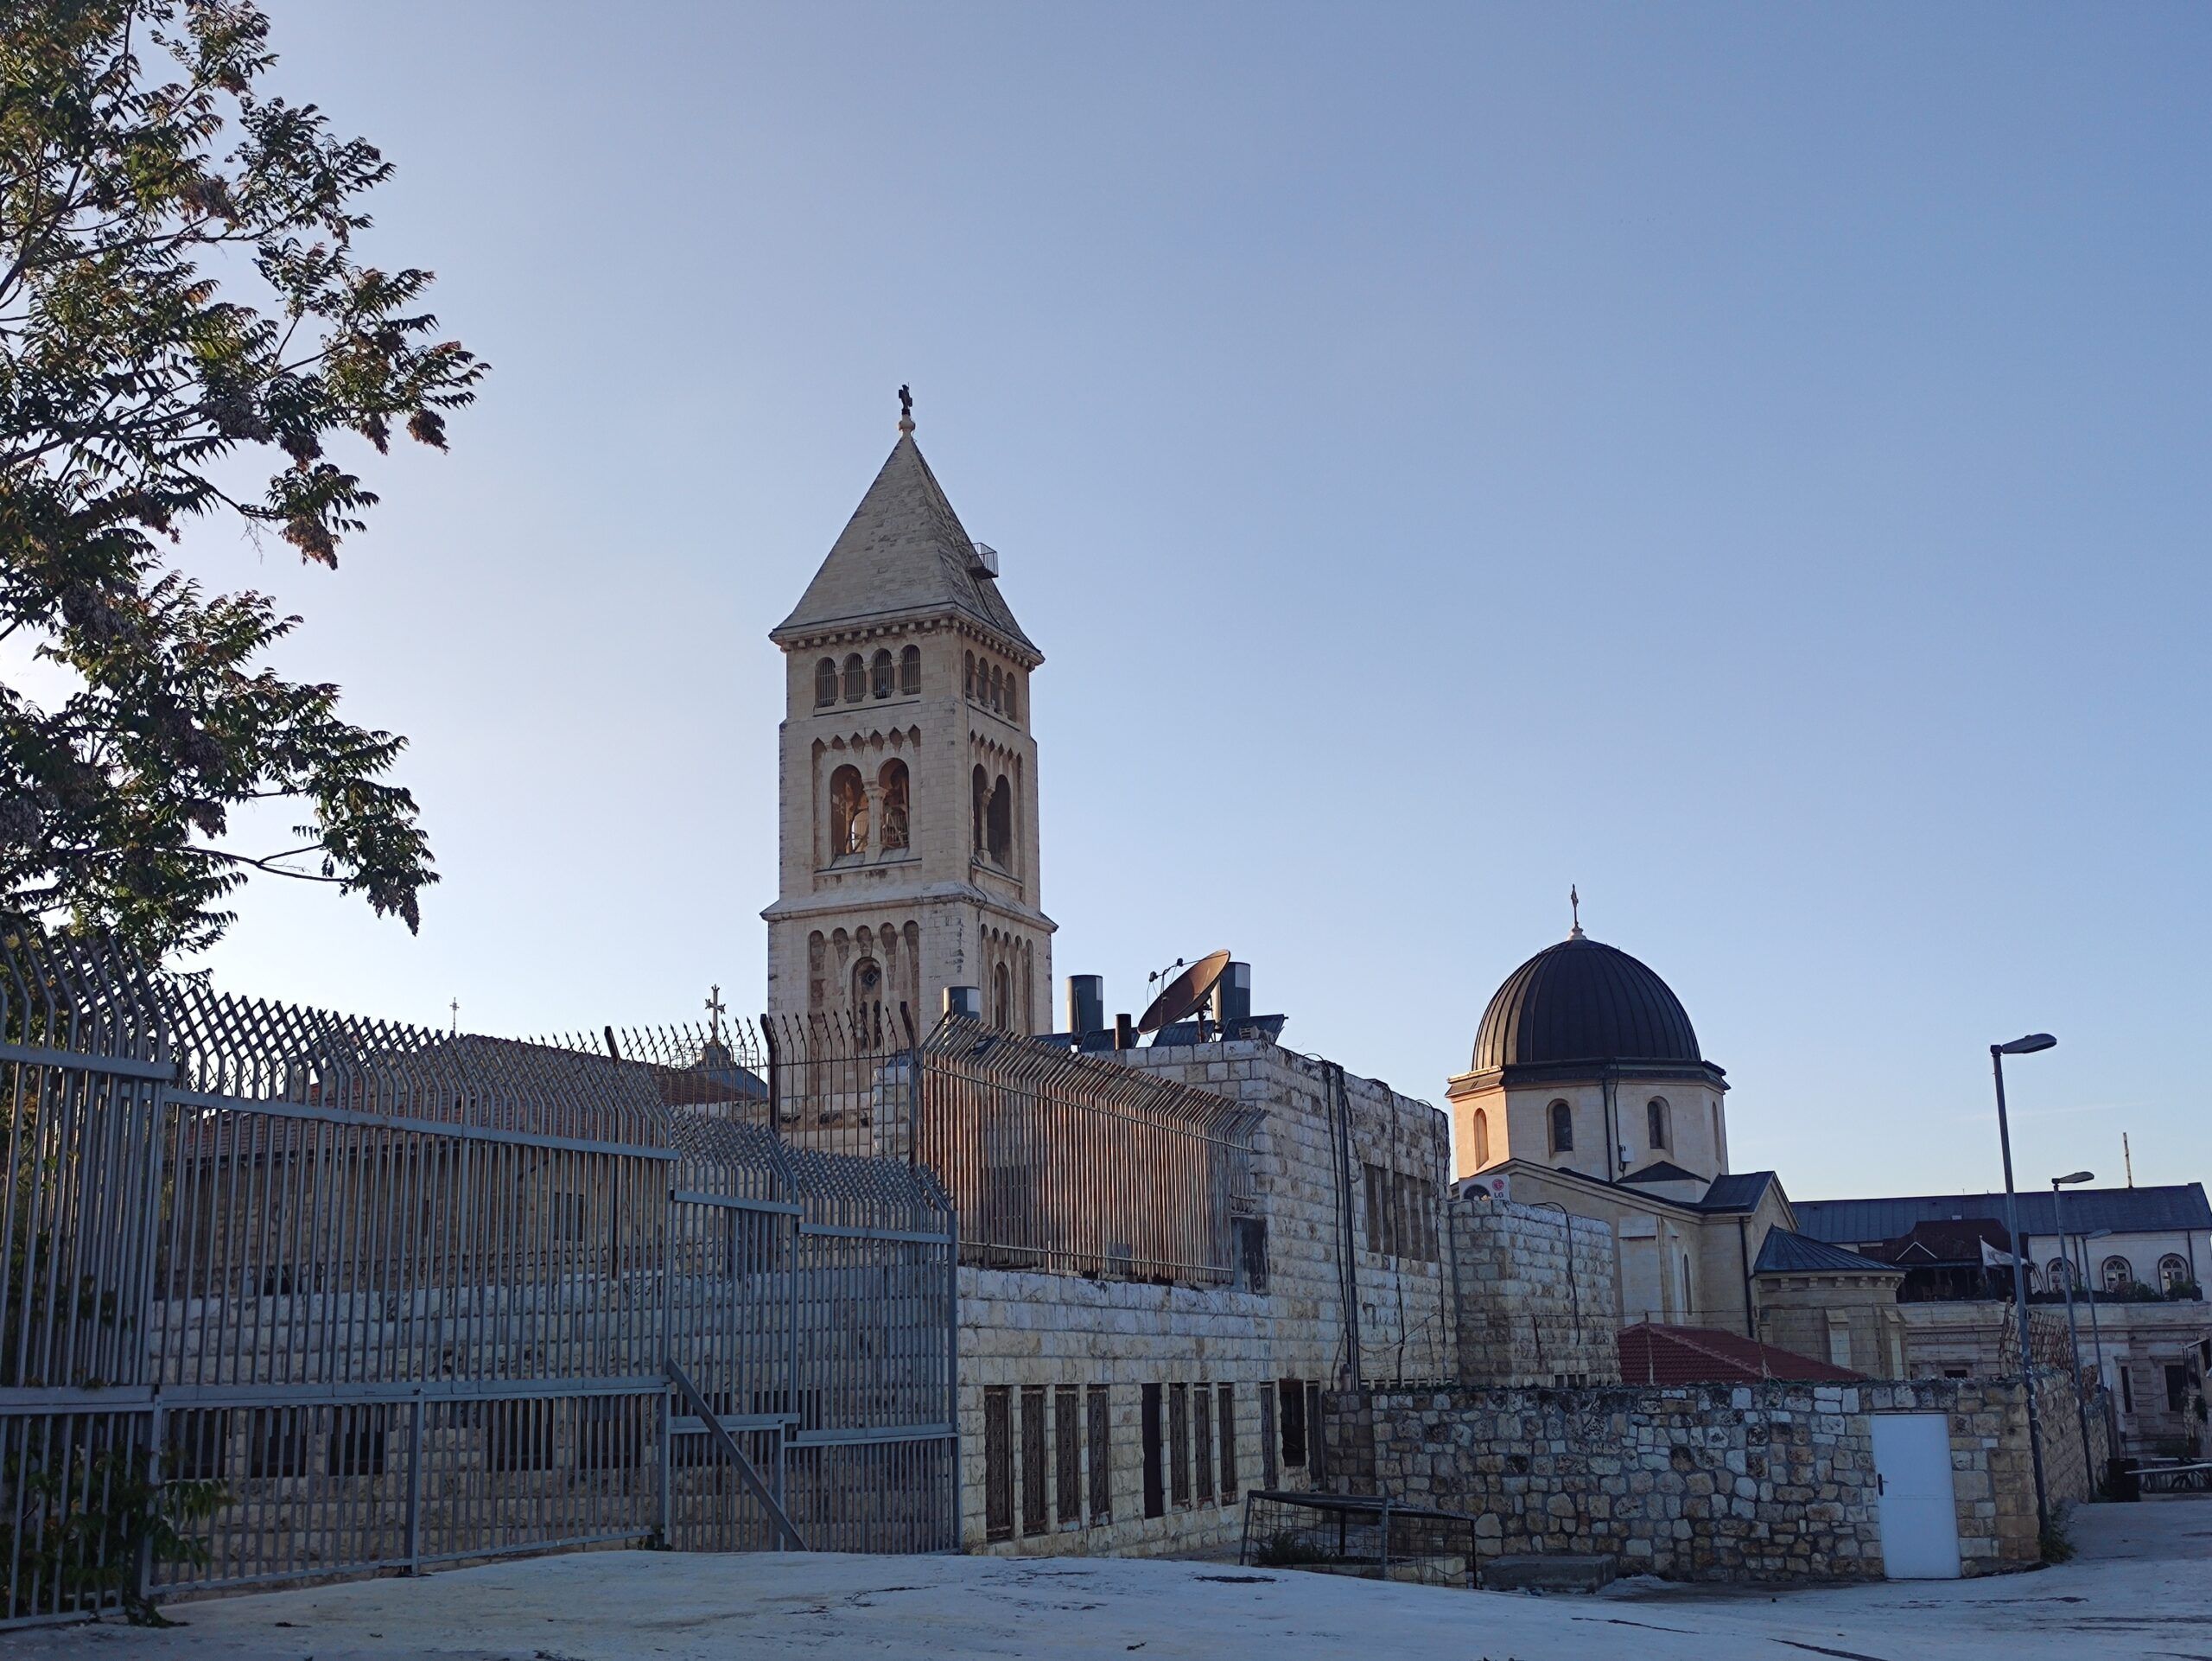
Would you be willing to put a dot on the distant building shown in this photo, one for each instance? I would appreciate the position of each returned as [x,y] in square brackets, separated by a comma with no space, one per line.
[1588,1091]
[2138,1259]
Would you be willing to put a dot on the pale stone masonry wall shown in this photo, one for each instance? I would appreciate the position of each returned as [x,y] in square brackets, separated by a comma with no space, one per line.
[1535,1296]
[1768,1481]
[1020,1330]
[1406,1327]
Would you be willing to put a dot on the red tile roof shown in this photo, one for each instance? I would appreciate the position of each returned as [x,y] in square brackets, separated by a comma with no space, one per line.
[1700,1355]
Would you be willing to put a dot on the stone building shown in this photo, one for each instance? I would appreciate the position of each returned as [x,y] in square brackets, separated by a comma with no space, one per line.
[2138,1259]
[1588,1091]
[1117,1392]
[906,773]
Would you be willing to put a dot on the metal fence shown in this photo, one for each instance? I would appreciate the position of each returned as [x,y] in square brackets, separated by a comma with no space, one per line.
[1054,1162]
[1068,1165]
[294,1294]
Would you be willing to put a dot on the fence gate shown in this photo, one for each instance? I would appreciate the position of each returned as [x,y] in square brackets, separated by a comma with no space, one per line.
[293,1295]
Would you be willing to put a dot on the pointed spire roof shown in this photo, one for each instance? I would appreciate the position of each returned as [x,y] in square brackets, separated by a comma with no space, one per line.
[904,552]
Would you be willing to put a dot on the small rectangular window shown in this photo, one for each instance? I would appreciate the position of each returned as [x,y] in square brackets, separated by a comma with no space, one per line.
[200,1445]
[1099,1404]
[1373,1186]
[569,1213]
[613,1434]
[1401,1241]
[998,1463]
[1269,1476]
[1225,1402]
[1032,1459]
[2126,1390]
[518,1435]
[1179,1443]
[1293,1393]
[357,1441]
[1251,1234]
[1155,1502]
[1317,1444]
[277,1442]
[1202,1442]
[2176,1387]
[1067,1448]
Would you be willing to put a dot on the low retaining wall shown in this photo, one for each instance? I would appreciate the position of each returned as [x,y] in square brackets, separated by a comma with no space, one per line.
[1710,1482]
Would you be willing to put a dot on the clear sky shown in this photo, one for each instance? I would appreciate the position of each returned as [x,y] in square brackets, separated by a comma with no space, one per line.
[1747,460]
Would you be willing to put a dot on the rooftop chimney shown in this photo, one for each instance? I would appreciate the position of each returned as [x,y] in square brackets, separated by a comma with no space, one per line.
[1232,997]
[1086,1005]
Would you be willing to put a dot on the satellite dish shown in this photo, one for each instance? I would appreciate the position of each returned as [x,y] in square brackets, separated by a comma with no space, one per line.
[1184,993]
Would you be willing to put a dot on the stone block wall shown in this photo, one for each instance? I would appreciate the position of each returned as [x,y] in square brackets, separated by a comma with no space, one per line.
[1535,1296]
[1067,1337]
[1707,1482]
[1323,1238]
[1402,1291]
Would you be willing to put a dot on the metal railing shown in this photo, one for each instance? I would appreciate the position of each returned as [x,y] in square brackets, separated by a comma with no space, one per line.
[294,1294]
[1069,1165]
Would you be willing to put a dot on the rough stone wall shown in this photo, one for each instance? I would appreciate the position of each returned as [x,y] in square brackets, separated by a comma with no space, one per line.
[1768,1481]
[1535,1296]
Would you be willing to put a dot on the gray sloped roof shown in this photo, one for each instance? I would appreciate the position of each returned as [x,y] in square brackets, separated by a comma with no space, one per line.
[1664,1170]
[1785,1252]
[2168,1209]
[904,551]
[1737,1191]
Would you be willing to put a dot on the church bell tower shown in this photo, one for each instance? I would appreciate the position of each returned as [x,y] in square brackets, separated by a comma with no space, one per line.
[907,776]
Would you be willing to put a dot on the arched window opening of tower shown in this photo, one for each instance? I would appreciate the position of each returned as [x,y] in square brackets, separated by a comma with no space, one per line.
[979,785]
[1001,997]
[882,675]
[825,682]
[999,825]
[910,671]
[1481,1138]
[1655,1110]
[855,679]
[891,789]
[1562,1125]
[867,983]
[847,813]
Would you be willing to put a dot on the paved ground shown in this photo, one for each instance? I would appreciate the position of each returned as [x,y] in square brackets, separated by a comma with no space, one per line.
[2142,1586]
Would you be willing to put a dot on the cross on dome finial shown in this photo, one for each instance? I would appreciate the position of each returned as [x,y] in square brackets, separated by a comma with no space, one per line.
[906,410]
[715,1009]
[1575,906]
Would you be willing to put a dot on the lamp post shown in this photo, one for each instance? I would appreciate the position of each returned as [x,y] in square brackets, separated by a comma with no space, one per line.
[2072,1331]
[2027,1046]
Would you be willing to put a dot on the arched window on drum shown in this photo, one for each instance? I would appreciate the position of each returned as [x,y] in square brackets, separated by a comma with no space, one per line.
[1562,1127]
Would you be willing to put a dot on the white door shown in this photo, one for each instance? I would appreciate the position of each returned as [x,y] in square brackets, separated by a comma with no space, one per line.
[1919,1515]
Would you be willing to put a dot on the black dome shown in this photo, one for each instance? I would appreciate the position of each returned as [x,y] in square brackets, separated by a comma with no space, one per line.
[1580,1001]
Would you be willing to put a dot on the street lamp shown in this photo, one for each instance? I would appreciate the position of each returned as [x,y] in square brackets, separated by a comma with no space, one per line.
[2027,1046]
[2072,1331]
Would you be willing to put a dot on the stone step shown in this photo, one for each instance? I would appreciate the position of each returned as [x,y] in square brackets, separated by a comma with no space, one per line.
[1548,1571]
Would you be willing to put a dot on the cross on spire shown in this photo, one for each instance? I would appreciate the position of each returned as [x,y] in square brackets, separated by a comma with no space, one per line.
[1574,907]
[906,410]
[714,1010]
[455,1007]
